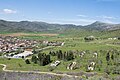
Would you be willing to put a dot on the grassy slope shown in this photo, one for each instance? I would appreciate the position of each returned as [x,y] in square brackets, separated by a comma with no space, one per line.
[72,32]
[83,33]
[14,64]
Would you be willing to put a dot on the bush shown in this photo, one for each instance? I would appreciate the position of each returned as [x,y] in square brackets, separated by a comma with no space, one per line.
[27,61]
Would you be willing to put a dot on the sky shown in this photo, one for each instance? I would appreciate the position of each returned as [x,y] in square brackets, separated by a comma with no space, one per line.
[79,12]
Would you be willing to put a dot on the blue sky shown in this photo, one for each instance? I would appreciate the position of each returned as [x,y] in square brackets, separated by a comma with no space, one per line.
[61,11]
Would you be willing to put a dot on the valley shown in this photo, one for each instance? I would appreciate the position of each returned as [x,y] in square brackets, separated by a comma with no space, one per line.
[82,52]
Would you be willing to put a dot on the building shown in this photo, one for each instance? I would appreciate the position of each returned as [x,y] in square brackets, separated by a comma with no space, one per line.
[23,55]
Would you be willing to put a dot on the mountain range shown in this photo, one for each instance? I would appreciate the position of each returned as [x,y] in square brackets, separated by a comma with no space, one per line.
[29,26]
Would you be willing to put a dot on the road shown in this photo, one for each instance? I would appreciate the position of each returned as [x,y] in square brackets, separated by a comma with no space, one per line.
[48,47]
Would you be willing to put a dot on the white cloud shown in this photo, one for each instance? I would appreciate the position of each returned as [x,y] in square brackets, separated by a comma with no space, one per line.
[108,21]
[109,17]
[72,21]
[81,15]
[106,17]
[9,11]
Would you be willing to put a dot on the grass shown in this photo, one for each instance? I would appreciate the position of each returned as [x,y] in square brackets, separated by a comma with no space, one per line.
[71,43]
[1,68]
[81,45]
[19,64]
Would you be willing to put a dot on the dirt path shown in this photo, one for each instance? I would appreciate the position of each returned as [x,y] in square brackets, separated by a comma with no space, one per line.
[51,73]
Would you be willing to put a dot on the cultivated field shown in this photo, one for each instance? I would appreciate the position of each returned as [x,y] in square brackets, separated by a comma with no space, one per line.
[26,34]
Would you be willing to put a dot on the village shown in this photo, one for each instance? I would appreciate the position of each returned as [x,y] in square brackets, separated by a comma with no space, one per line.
[14,47]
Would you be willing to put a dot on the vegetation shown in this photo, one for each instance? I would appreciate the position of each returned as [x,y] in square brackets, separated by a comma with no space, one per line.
[27,61]
[107,61]
[43,59]
[34,59]
[63,56]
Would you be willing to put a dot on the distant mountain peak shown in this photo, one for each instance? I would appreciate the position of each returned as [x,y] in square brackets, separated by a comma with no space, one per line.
[99,22]
[98,25]
[43,26]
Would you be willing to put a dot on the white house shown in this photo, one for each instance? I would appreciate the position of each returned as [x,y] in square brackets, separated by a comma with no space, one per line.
[24,54]
[56,63]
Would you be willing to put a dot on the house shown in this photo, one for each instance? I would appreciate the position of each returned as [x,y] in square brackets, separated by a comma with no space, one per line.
[24,54]
[72,65]
[11,44]
[69,65]
[95,55]
[51,43]
[91,66]
[56,63]
[92,63]
[82,54]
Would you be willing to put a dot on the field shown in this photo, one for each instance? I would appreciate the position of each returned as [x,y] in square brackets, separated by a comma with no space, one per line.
[26,34]
[102,46]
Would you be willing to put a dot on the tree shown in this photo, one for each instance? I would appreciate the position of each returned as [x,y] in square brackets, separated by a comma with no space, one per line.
[48,59]
[118,38]
[89,38]
[27,61]
[70,55]
[52,53]
[64,56]
[40,58]
[112,57]
[108,56]
[43,59]
[34,59]
[59,55]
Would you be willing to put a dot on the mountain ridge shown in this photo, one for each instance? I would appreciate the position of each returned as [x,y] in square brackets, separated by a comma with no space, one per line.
[35,26]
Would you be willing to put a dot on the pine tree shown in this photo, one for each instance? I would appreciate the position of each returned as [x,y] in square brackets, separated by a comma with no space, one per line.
[108,56]
[60,55]
[34,59]
[43,59]
[40,58]
[48,59]
[70,55]
[112,57]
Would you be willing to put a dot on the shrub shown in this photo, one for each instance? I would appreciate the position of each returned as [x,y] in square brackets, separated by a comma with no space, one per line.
[27,61]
